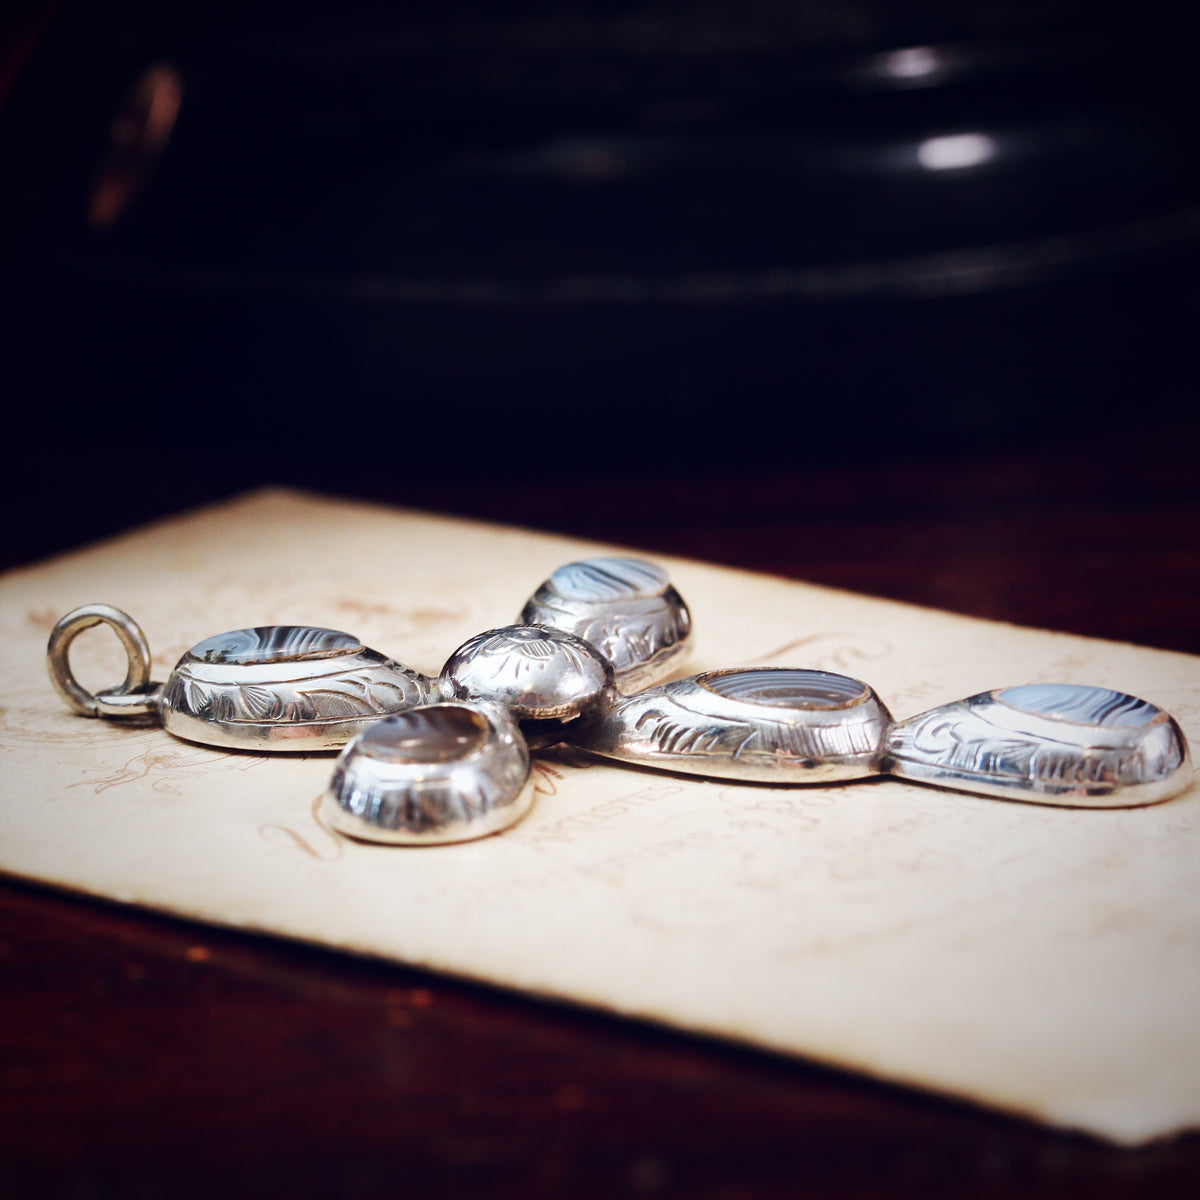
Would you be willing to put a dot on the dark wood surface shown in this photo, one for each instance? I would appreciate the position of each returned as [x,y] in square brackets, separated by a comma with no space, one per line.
[147,1057]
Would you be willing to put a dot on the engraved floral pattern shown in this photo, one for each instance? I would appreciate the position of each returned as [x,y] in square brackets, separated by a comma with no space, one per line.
[360,694]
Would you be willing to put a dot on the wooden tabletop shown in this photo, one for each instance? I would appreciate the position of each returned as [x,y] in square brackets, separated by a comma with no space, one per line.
[143,1056]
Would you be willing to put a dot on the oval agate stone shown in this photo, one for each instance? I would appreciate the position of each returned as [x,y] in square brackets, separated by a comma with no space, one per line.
[448,772]
[441,734]
[786,687]
[1080,705]
[601,580]
[274,643]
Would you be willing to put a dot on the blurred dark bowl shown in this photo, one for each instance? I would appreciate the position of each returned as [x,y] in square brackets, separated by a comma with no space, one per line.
[371,249]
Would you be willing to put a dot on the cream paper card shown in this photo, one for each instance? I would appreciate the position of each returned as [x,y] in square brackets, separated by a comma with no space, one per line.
[1044,961]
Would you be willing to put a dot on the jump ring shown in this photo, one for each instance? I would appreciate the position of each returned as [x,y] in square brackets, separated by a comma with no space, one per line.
[137,676]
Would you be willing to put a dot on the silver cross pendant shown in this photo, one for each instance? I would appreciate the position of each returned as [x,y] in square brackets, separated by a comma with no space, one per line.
[430,760]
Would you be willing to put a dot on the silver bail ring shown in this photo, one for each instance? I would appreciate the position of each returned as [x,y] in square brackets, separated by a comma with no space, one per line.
[135,697]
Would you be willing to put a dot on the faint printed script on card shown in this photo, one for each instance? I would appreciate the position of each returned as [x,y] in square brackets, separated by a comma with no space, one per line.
[1044,961]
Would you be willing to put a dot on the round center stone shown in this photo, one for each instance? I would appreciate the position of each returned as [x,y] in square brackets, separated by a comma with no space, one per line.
[1080,705]
[786,687]
[274,643]
[602,580]
[438,734]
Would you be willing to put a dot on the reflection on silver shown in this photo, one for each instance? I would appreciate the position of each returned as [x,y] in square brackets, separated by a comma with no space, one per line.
[431,775]
[769,725]
[533,671]
[277,687]
[625,607]
[1053,743]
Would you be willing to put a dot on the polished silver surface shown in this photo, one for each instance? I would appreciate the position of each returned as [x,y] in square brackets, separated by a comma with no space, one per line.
[533,671]
[289,688]
[447,772]
[625,607]
[762,724]
[1053,743]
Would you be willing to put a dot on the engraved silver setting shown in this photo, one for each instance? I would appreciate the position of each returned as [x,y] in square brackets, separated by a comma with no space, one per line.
[758,725]
[1051,743]
[625,607]
[534,671]
[285,687]
[293,688]
[441,773]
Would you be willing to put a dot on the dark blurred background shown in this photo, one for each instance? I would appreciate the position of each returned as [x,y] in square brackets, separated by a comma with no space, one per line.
[601,266]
